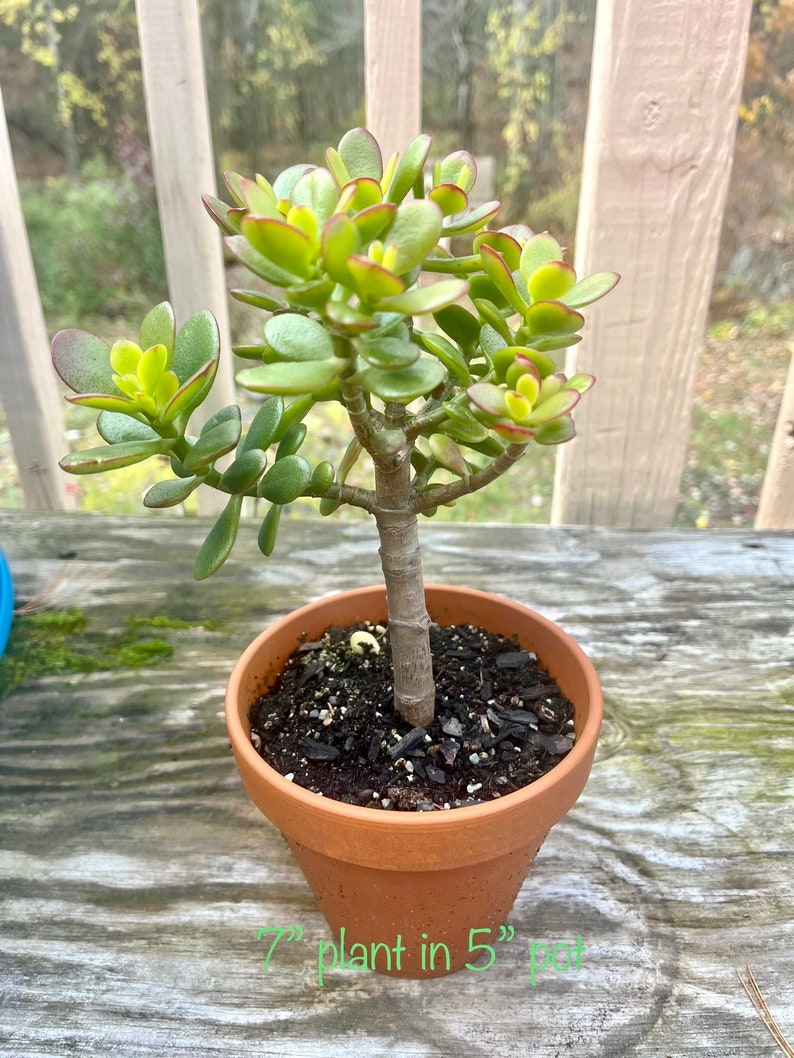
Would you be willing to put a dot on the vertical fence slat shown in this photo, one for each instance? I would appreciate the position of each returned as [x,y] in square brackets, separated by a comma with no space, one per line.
[776,507]
[393,71]
[184,169]
[31,401]
[665,87]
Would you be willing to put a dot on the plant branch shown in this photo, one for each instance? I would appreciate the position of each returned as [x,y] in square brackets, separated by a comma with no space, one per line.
[464,487]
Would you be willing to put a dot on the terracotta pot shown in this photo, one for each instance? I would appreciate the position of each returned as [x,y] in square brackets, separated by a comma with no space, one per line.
[392,879]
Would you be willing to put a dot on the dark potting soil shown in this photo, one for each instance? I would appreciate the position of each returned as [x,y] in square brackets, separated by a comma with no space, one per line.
[328,725]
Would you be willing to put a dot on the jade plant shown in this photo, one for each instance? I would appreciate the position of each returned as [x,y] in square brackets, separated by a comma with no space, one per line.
[443,362]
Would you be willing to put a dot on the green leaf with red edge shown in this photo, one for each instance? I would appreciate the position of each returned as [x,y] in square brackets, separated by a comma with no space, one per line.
[590,289]
[539,250]
[340,240]
[220,541]
[159,328]
[191,393]
[388,353]
[450,198]
[426,299]
[278,241]
[461,424]
[522,365]
[234,183]
[483,288]
[552,319]
[458,168]
[448,455]
[363,193]
[488,398]
[257,263]
[511,431]
[472,220]
[197,344]
[581,382]
[311,296]
[285,182]
[105,402]
[372,222]
[349,320]
[371,281]
[318,190]
[500,275]
[551,281]
[291,377]
[259,201]
[418,380]
[336,166]
[560,404]
[296,337]
[361,154]
[116,428]
[258,299]
[492,317]
[556,432]
[408,168]
[113,457]
[170,492]
[549,344]
[415,231]
[503,243]
[83,362]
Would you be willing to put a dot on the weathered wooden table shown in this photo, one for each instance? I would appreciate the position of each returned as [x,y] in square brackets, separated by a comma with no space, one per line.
[136,874]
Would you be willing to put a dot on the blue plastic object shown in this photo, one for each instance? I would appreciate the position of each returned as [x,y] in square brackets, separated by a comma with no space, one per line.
[6,602]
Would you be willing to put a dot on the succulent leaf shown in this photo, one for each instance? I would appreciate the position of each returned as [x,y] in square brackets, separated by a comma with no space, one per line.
[556,432]
[286,480]
[426,299]
[448,354]
[448,455]
[268,530]
[220,541]
[504,244]
[405,385]
[561,403]
[551,281]
[318,190]
[590,289]
[254,261]
[459,324]
[412,236]
[388,353]
[259,299]
[372,222]
[409,168]
[291,377]
[472,219]
[279,241]
[262,431]
[500,275]
[101,402]
[170,492]
[361,154]
[450,198]
[116,428]
[296,337]
[539,250]
[488,398]
[197,345]
[191,393]
[159,328]
[112,457]
[222,438]
[552,318]
[285,182]
[458,168]
[83,362]
[244,472]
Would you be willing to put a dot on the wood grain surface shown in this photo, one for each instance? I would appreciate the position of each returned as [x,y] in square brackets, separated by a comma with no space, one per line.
[136,874]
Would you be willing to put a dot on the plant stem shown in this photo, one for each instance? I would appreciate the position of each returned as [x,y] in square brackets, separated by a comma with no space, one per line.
[409,623]
[446,493]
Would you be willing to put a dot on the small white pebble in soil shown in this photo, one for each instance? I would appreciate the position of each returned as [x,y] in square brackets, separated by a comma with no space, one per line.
[473,787]
[380,629]
[409,766]
[385,801]
[474,758]
[364,642]
[289,776]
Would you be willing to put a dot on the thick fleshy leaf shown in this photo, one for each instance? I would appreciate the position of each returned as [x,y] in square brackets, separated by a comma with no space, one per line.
[264,424]
[171,492]
[254,352]
[491,316]
[539,250]
[580,382]
[458,168]
[388,353]
[560,404]
[552,318]
[231,413]
[100,402]
[415,381]
[502,278]
[322,477]
[523,365]
[372,222]
[286,181]
[448,455]
[159,328]
[286,480]
[222,438]
[491,340]
[257,263]
[311,296]
[259,200]
[450,198]
[457,322]
[426,299]
[408,168]
[513,432]
[268,530]
[305,220]
[361,154]
[336,166]
[528,386]
[118,428]
[151,367]
[349,320]
[483,288]
[488,398]
[590,289]
[280,242]
[318,190]
[258,299]
[461,424]
[504,244]
[340,240]
[234,182]
[556,432]
[551,281]
[244,472]
[292,440]
[112,457]
[296,337]
[291,377]
[360,194]
[371,281]
[472,220]
[549,344]
[544,365]
[83,362]
[218,545]
[412,236]
[191,394]
[221,214]
[518,406]
[197,344]
[449,355]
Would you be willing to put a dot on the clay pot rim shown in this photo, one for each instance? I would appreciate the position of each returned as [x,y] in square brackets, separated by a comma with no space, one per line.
[339,810]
